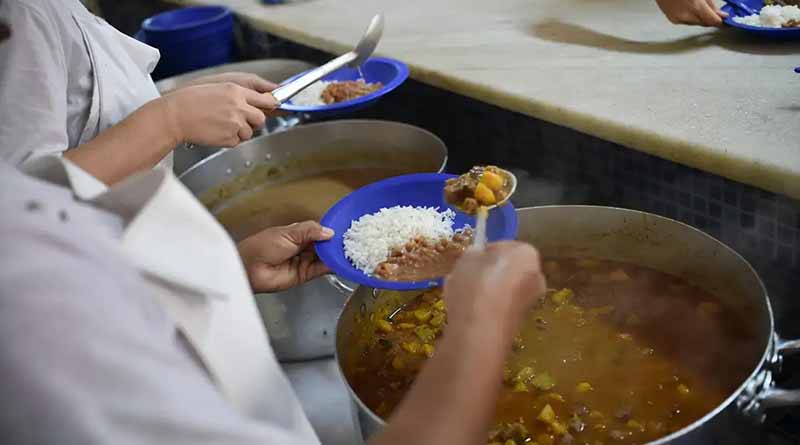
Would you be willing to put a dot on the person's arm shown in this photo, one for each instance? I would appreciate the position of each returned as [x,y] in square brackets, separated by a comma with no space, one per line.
[453,398]
[221,115]
[692,12]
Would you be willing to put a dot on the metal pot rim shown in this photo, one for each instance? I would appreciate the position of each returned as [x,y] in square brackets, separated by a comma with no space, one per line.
[758,368]
[297,128]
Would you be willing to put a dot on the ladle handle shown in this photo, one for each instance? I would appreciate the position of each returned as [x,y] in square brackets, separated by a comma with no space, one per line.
[290,89]
[479,240]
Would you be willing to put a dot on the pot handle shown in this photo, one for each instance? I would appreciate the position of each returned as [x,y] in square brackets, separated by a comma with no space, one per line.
[762,393]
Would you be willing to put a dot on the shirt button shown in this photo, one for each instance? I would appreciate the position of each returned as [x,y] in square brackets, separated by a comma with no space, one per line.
[63,216]
[32,206]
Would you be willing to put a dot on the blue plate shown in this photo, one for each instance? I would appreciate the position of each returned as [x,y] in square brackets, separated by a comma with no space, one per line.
[391,73]
[419,190]
[771,33]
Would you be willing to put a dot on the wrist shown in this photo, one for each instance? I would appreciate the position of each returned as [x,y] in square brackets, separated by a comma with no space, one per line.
[168,119]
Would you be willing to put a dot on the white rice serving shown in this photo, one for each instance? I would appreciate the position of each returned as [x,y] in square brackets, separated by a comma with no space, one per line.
[773,16]
[312,95]
[371,238]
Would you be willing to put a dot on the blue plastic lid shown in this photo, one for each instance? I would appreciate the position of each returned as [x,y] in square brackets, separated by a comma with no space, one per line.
[185,18]
[418,190]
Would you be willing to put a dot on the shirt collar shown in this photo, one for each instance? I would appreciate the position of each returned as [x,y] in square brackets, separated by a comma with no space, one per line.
[168,234]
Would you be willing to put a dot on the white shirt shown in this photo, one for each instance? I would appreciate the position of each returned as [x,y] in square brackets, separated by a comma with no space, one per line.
[126,318]
[65,76]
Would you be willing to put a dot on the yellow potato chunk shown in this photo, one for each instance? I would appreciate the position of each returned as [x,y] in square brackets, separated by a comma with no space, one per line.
[492,180]
[584,387]
[384,326]
[484,195]
[547,415]
[562,296]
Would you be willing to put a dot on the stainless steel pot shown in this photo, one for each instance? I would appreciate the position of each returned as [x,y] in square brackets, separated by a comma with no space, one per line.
[649,240]
[302,321]
[275,70]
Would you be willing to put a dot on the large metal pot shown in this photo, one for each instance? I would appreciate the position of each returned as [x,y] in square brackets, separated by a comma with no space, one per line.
[301,321]
[649,240]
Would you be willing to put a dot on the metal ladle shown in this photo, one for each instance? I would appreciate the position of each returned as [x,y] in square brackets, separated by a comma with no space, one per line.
[354,59]
[482,214]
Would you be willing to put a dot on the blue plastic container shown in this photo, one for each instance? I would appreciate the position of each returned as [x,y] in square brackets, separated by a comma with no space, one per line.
[189,38]
[419,190]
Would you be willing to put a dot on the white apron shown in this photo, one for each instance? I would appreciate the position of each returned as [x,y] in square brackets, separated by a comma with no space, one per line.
[121,66]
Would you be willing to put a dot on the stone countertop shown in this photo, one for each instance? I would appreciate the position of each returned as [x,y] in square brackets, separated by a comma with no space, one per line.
[716,100]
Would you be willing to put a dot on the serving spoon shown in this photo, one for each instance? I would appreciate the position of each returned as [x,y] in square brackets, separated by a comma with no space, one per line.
[353,59]
[482,214]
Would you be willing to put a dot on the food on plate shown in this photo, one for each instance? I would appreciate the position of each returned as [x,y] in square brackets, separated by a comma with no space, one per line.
[773,16]
[405,243]
[423,259]
[346,90]
[481,186]
[279,202]
[613,353]
[330,92]
[782,2]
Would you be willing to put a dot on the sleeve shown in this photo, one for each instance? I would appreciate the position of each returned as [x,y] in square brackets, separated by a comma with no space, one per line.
[82,363]
[33,85]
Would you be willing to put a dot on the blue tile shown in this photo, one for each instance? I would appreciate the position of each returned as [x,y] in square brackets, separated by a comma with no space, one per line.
[714,210]
[785,234]
[766,228]
[748,202]
[699,204]
[700,221]
[731,197]
[685,200]
[747,221]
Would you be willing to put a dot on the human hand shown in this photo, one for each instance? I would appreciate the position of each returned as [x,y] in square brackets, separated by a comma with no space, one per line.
[692,12]
[247,80]
[495,286]
[219,114]
[278,258]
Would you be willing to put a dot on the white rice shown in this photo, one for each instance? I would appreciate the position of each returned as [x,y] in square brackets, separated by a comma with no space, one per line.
[773,16]
[312,95]
[371,238]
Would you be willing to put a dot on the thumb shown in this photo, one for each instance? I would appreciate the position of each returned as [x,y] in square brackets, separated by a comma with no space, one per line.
[307,232]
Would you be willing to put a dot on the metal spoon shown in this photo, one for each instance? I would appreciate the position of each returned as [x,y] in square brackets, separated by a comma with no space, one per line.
[354,59]
[482,214]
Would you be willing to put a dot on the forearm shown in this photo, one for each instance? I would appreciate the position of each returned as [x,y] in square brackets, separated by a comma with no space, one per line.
[135,144]
[453,399]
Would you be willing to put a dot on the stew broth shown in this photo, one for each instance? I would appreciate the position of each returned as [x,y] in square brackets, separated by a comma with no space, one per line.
[613,353]
[306,198]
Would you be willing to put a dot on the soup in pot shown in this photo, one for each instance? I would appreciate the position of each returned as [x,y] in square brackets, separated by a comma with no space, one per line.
[614,353]
[294,200]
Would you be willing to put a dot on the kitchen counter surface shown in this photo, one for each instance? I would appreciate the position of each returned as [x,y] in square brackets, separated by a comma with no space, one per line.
[715,100]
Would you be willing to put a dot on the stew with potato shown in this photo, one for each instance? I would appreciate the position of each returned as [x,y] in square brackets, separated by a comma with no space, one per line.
[614,353]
